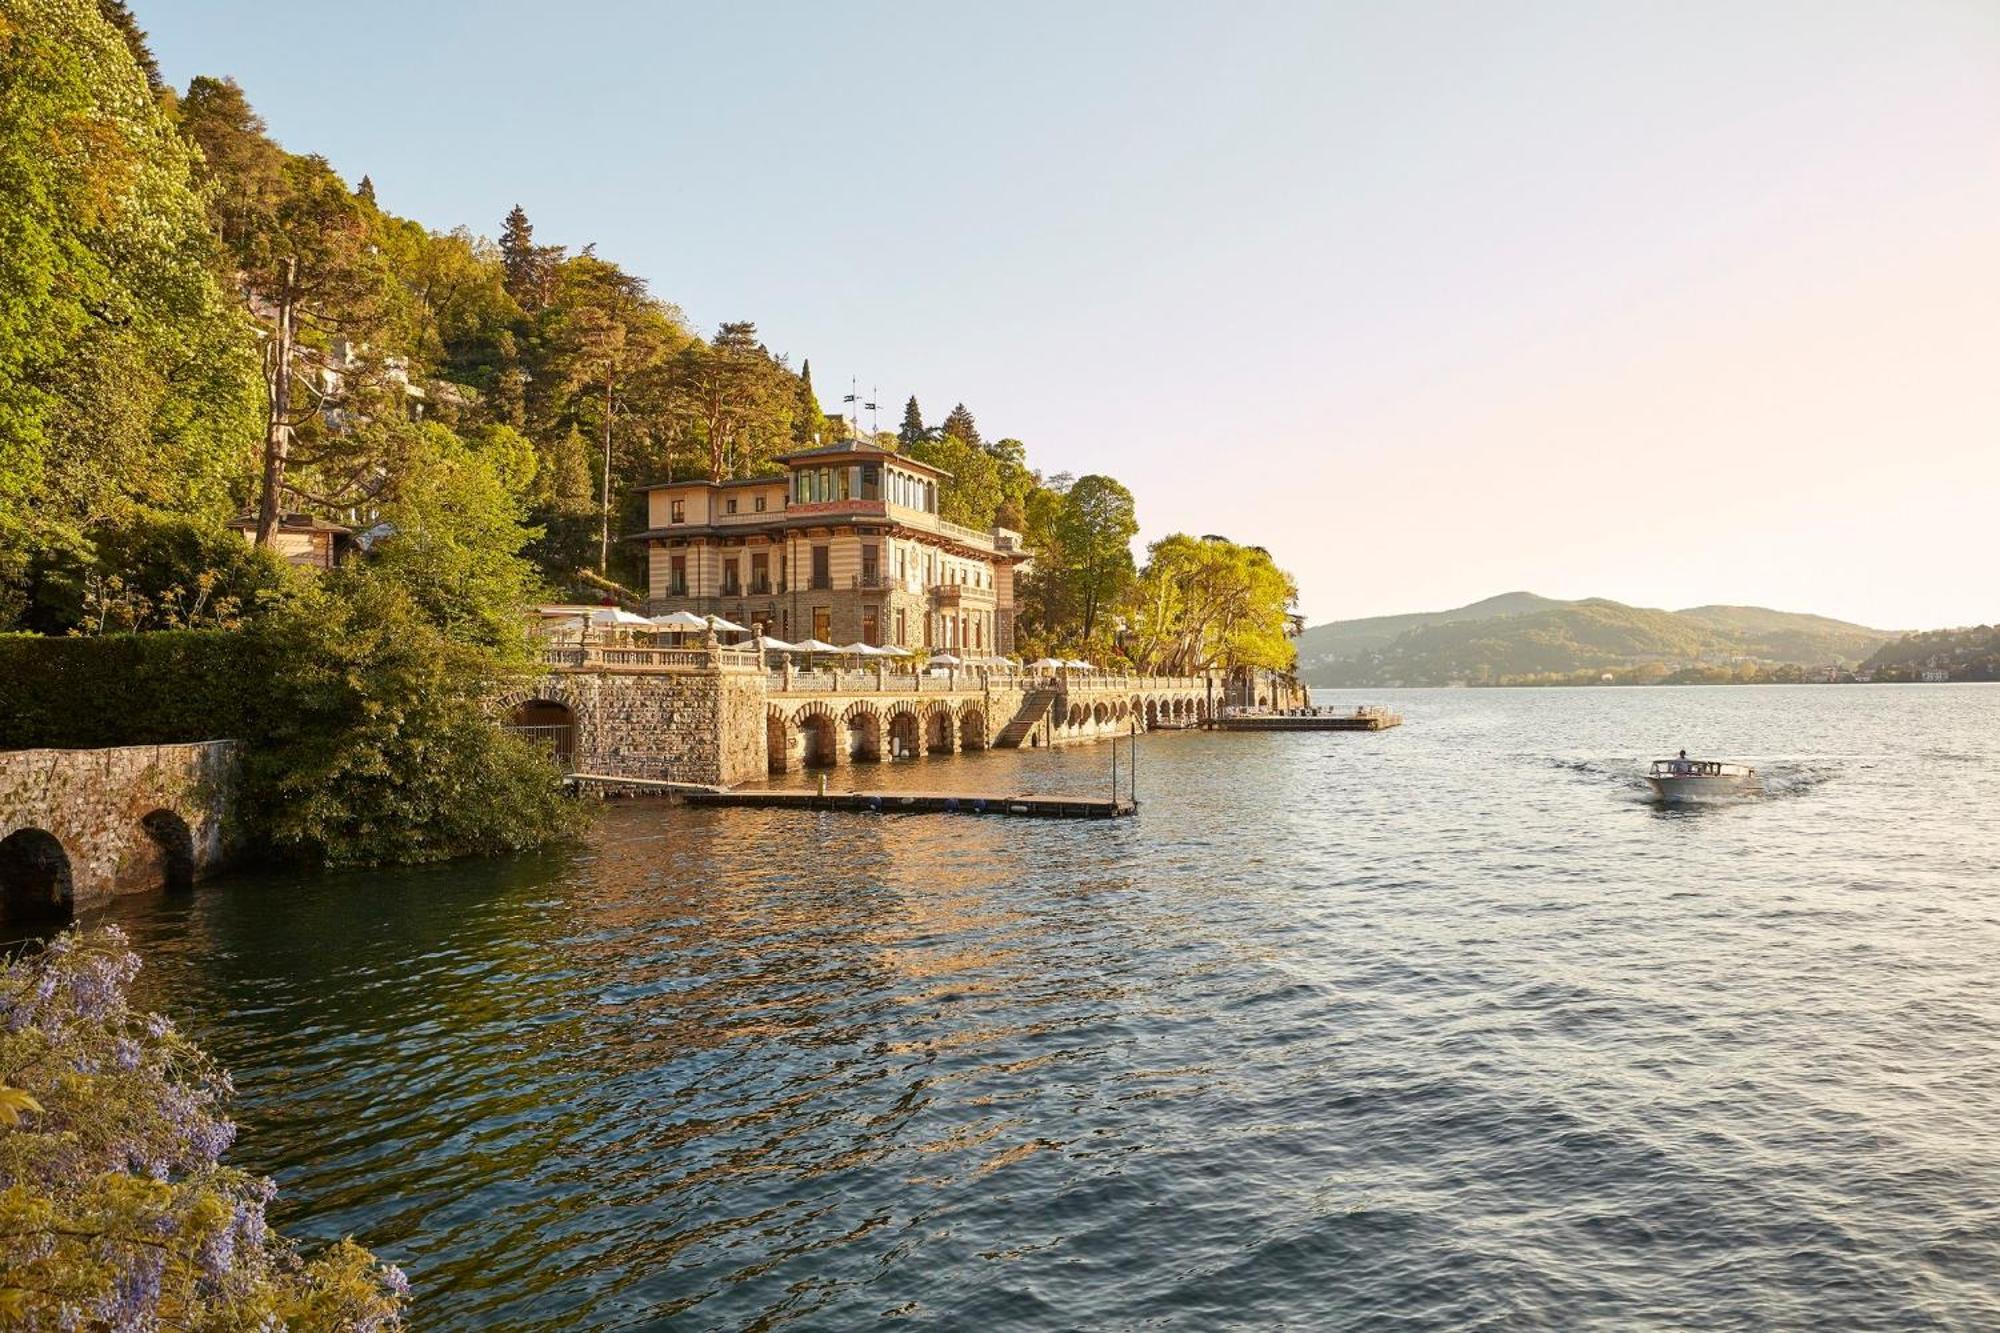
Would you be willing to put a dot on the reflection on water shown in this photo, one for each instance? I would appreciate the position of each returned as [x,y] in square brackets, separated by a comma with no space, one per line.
[1442,1027]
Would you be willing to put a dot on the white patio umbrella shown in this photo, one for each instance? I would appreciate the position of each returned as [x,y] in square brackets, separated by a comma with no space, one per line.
[618,615]
[1047,664]
[894,650]
[726,626]
[946,660]
[816,646]
[679,620]
[772,645]
[1076,665]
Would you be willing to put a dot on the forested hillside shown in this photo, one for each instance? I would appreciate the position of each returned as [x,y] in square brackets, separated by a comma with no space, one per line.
[1521,638]
[1351,638]
[1963,654]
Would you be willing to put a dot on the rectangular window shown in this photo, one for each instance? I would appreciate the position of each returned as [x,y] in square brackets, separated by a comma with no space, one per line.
[677,583]
[729,505]
[731,586]
[871,569]
[903,628]
[760,574]
[822,568]
[823,624]
[871,482]
[760,504]
[678,511]
[871,633]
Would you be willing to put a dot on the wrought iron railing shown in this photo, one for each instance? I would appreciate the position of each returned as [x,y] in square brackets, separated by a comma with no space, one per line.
[560,739]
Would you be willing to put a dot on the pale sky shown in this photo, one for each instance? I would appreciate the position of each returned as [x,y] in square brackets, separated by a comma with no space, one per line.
[1672,303]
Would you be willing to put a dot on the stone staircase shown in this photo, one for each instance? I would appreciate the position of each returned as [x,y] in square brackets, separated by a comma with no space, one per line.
[1034,708]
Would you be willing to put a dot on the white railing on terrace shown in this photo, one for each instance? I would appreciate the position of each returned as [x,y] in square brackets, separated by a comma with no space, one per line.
[867,681]
[970,536]
[635,657]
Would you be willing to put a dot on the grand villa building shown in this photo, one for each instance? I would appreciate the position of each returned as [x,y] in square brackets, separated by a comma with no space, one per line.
[844,545]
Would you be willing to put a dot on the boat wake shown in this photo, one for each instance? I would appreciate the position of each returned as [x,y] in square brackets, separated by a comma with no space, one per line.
[1782,781]
[1626,774]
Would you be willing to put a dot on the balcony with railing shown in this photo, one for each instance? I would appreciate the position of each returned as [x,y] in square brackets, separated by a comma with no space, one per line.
[963,594]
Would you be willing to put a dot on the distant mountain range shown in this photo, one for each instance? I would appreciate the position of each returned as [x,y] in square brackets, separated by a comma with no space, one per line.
[1519,638]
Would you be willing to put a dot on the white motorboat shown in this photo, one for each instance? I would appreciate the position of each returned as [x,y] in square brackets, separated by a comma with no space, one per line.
[1686,779]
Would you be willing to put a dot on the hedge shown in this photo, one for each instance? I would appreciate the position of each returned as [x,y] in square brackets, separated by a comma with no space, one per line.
[129,689]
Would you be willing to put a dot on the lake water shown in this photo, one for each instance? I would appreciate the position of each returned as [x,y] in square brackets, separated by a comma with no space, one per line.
[1440,1028]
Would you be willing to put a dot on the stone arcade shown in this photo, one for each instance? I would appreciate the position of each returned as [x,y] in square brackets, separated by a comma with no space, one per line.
[715,715]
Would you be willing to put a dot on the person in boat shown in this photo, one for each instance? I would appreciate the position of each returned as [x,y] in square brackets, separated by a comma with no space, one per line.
[1682,768]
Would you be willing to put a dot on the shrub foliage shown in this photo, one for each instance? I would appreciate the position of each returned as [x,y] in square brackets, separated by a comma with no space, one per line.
[116,1210]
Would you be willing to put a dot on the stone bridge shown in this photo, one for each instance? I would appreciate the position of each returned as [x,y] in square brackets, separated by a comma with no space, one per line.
[78,827]
[717,716]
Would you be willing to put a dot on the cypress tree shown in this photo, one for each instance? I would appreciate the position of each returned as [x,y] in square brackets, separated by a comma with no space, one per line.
[806,415]
[913,432]
[365,191]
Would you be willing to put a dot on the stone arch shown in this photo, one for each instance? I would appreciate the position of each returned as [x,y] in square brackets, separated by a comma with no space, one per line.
[971,728]
[539,707]
[1152,714]
[819,735]
[168,849]
[1076,715]
[861,731]
[781,741]
[940,729]
[37,885]
[903,733]
[548,722]
[1098,713]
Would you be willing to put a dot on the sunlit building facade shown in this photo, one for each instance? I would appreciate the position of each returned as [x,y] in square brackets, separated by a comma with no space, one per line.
[845,545]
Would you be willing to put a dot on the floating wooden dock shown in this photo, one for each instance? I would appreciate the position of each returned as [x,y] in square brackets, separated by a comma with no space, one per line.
[1310,719]
[920,803]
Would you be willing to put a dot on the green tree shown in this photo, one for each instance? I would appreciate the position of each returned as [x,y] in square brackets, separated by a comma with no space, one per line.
[735,398]
[807,420]
[119,15]
[1095,529]
[305,248]
[1204,602]
[125,380]
[913,431]
[379,745]
[972,494]
[606,335]
[959,423]
[152,571]
[454,537]
[530,270]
